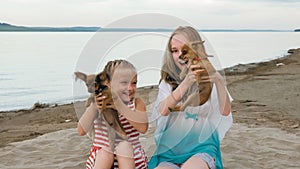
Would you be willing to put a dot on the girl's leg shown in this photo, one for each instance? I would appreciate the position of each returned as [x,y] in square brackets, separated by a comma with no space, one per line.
[167,165]
[124,152]
[200,161]
[163,167]
[104,159]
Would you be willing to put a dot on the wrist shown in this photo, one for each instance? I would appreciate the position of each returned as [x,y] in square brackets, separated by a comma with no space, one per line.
[174,98]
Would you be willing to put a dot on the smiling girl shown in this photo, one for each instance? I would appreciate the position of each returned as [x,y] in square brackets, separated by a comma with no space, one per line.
[128,154]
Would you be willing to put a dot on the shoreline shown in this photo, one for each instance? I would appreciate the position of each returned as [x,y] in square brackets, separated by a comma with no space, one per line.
[265,132]
[64,116]
[239,69]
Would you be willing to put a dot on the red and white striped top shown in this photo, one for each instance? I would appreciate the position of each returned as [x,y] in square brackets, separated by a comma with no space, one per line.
[101,140]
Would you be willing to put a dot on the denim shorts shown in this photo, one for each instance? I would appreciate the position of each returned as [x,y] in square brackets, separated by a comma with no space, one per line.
[210,161]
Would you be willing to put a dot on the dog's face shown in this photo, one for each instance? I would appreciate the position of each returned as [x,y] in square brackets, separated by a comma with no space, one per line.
[101,82]
[88,79]
[188,54]
[195,55]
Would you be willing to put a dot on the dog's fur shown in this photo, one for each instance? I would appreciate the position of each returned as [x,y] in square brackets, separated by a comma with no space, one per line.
[194,54]
[89,81]
[110,115]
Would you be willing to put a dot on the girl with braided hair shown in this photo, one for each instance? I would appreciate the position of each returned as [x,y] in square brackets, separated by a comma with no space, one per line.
[127,154]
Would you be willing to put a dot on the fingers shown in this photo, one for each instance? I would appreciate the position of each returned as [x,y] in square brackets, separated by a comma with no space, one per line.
[196,69]
[99,100]
[212,78]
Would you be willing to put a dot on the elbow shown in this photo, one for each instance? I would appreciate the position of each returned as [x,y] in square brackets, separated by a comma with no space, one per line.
[163,109]
[80,130]
[226,111]
[144,129]
[164,113]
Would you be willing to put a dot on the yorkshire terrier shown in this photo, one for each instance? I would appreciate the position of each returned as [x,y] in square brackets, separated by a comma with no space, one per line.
[195,55]
[110,115]
[89,81]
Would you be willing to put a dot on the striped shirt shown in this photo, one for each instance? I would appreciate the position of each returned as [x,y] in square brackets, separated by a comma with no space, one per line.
[101,140]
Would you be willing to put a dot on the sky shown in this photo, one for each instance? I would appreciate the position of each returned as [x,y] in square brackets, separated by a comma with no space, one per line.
[205,14]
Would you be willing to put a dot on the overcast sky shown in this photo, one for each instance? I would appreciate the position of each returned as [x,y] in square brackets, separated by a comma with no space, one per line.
[205,14]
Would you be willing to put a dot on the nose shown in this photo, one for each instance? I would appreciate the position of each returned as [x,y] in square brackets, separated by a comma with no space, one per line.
[180,56]
[130,87]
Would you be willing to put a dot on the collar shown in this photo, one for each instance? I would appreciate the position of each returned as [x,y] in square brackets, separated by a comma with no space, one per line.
[197,59]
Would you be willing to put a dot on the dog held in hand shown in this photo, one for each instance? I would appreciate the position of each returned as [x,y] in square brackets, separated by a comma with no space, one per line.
[194,54]
[110,115]
[89,81]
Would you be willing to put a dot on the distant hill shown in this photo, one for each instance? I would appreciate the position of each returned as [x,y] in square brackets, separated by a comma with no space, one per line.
[12,28]
[297,30]
[5,27]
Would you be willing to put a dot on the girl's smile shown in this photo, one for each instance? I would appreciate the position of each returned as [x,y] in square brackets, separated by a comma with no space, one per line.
[124,84]
[177,42]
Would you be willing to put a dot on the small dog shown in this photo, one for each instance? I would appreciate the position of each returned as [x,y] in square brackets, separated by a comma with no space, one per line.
[110,115]
[194,55]
[90,84]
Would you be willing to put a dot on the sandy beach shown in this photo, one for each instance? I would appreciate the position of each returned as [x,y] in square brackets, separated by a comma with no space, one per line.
[265,133]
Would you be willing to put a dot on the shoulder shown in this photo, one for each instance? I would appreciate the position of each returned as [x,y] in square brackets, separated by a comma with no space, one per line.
[140,104]
[139,101]
[164,85]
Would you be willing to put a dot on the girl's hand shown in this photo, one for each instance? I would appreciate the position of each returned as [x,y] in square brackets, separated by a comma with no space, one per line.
[193,74]
[100,101]
[215,77]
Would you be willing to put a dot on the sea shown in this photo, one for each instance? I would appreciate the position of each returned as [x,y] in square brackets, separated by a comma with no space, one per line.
[38,67]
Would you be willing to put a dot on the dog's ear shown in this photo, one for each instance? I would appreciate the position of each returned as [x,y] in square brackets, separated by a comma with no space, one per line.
[199,48]
[81,76]
[196,44]
[90,79]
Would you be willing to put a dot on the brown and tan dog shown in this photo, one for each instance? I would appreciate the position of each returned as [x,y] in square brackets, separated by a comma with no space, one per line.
[110,115]
[194,54]
[89,81]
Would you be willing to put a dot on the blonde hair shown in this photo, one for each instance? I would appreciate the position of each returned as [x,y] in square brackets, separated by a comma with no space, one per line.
[111,67]
[169,71]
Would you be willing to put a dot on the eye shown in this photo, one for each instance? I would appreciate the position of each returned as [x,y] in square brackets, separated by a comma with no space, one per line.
[124,82]
[174,51]
[184,52]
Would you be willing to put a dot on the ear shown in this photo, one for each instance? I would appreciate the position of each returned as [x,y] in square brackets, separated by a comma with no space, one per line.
[194,44]
[81,76]
[91,77]
[199,48]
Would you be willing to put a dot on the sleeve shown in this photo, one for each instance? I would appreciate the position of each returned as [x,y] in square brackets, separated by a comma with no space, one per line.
[160,121]
[226,122]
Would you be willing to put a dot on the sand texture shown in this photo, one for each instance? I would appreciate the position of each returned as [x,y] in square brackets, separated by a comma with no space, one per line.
[265,133]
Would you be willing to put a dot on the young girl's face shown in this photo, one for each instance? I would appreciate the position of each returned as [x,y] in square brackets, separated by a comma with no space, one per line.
[124,84]
[177,42]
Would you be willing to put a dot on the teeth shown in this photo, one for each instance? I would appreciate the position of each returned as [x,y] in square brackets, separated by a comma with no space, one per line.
[182,62]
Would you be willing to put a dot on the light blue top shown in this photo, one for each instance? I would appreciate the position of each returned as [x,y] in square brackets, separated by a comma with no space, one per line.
[181,135]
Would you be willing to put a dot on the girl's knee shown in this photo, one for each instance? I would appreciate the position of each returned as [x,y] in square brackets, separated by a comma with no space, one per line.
[124,148]
[104,159]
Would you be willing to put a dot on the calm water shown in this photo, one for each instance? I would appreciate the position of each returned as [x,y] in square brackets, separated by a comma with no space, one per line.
[39,66]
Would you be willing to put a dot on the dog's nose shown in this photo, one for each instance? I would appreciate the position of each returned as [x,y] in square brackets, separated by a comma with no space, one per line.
[181,57]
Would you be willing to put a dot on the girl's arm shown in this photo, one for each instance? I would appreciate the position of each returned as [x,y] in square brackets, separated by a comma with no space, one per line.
[175,96]
[137,118]
[86,120]
[223,98]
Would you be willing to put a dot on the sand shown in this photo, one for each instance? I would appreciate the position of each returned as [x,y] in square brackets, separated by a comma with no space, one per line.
[265,133]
